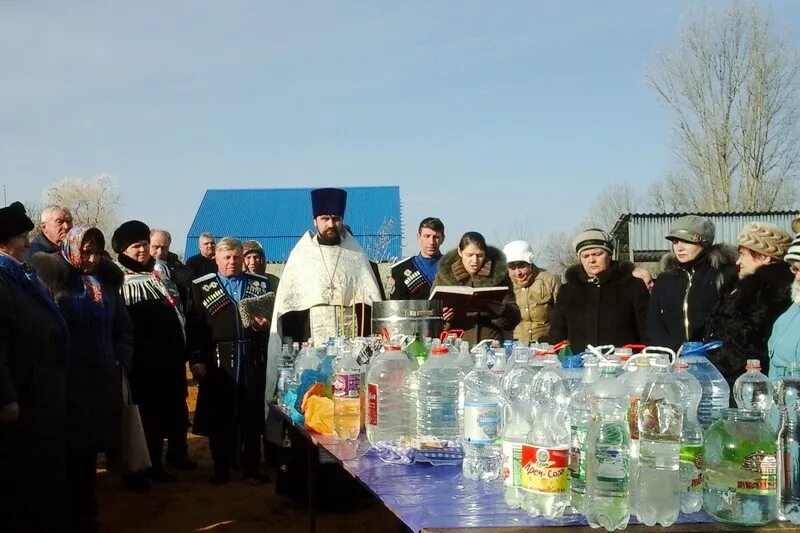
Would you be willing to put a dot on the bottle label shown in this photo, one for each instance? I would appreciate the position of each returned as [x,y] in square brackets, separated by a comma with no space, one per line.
[633,416]
[612,464]
[577,453]
[481,421]
[512,464]
[691,459]
[372,404]
[758,475]
[545,470]
[346,385]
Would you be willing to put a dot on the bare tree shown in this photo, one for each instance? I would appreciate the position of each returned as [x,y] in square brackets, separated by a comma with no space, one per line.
[379,247]
[555,251]
[522,228]
[611,202]
[93,201]
[731,86]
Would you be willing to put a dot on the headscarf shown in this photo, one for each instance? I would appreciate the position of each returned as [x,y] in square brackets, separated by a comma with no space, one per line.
[71,253]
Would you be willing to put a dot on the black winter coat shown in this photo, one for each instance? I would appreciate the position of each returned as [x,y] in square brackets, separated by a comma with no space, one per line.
[498,319]
[40,244]
[705,279]
[158,373]
[609,309]
[744,318]
[33,357]
[101,339]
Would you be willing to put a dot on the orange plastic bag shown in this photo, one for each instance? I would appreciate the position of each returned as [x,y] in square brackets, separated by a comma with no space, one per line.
[319,414]
[317,389]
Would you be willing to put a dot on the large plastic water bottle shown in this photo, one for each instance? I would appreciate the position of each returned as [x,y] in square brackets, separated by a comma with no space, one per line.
[753,390]
[660,424]
[716,391]
[691,454]
[572,367]
[440,397]
[306,360]
[482,456]
[607,452]
[787,398]
[581,410]
[634,384]
[516,393]
[390,411]
[545,458]
[346,395]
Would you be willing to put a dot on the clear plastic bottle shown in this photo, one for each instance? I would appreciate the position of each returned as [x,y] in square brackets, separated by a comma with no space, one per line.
[465,359]
[545,458]
[482,456]
[285,373]
[753,390]
[539,356]
[608,452]
[691,454]
[440,397]
[306,360]
[716,391]
[346,395]
[581,404]
[741,469]
[634,383]
[500,365]
[787,398]
[572,367]
[516,394]
[660,424]
[390,411]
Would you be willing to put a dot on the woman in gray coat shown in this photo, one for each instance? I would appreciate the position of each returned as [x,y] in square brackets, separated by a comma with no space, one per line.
[33,353]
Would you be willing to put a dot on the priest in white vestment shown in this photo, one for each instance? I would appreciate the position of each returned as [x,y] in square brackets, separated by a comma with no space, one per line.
[327,287]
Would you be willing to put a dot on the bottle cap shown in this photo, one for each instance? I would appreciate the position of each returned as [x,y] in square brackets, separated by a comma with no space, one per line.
[439,350]
[391,348]
[753,364]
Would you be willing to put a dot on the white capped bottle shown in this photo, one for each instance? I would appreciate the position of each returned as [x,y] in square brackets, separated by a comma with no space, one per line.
[660,424]
[516,393]
[390,409]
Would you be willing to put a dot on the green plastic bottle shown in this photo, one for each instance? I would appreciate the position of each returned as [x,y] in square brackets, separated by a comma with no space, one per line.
[417,350]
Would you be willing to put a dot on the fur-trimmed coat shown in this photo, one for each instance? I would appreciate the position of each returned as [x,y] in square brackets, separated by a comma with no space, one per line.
[608,309]
[744,318]
[699,284]
[497,319]
[101,339]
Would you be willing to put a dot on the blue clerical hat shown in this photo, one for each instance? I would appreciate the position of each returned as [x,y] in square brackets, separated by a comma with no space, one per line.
[328,202]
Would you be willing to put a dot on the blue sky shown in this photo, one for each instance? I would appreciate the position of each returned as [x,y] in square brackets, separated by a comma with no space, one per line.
[485,113]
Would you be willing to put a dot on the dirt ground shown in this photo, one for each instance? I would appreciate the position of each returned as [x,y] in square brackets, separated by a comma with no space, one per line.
[192,504]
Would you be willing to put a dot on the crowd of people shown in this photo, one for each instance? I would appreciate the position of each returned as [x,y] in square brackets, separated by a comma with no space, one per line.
[79,325]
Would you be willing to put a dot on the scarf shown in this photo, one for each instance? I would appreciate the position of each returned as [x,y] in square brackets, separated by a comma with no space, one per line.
[71,252]
[149,281]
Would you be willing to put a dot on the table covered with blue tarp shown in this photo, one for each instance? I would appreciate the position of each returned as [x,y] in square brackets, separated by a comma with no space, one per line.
[426,497]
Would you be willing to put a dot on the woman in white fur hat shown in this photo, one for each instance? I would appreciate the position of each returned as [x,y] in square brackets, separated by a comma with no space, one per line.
[535,290]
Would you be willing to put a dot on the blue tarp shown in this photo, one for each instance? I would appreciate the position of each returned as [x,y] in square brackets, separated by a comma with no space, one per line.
[425,496]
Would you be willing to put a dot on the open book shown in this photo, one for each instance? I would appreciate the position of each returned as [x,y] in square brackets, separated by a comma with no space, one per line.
[461,297]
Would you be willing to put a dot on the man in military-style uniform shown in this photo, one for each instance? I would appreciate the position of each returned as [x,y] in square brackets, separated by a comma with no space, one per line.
[229,359]
[412,278]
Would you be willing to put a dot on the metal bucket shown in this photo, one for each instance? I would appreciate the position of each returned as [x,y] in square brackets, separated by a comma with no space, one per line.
[407,317]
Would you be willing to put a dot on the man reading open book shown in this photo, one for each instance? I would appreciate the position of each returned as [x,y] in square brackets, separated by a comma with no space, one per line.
[475,290]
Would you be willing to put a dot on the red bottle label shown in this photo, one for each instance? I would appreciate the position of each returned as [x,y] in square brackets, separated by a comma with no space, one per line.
[372,405]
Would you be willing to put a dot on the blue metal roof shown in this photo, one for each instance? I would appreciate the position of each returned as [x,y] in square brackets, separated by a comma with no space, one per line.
[278,217]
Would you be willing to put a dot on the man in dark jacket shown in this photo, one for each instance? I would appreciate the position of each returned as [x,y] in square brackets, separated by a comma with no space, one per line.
[177,455]
[744,318]
[56,221]
[228,357]
[601,302]
[203,263]
[694,274]
[412,278]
